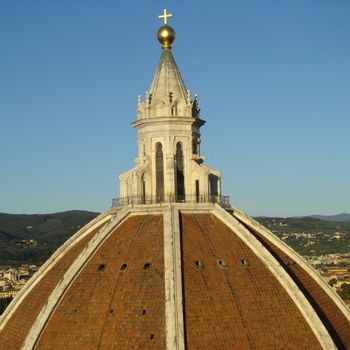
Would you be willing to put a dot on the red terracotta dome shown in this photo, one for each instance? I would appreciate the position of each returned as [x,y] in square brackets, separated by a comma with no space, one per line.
[172,277]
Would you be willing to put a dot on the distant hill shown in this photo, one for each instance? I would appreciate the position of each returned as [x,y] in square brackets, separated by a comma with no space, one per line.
[48,231]
[339,217]
[311,236]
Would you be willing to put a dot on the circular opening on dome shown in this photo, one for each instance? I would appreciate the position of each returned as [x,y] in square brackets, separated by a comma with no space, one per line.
[143,312]
[123,267]
[222,263]
[199,264]
[146,266]
[111,311]
[152,336]
[101,267]
[245,262]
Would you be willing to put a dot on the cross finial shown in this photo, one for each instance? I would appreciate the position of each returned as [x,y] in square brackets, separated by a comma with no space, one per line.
[165,16]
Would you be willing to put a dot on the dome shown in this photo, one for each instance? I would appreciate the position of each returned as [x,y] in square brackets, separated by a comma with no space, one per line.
[198,276]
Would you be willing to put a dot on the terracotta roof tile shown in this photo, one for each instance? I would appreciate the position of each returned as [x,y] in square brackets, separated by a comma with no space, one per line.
[111,308]
[333,319]
[18,326]
[236,306]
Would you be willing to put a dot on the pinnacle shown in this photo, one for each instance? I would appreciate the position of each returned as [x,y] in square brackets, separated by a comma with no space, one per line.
[167,80]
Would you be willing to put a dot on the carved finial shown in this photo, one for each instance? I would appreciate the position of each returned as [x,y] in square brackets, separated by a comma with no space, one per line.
[188,96]
[166,34]
[139,99]
[147,98]
[195,107]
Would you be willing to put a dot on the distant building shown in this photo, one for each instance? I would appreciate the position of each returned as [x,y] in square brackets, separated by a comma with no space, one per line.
[8,293]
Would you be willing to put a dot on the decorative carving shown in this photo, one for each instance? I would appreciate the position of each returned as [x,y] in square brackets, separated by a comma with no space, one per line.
[147,98]
[195,107]
[189,96]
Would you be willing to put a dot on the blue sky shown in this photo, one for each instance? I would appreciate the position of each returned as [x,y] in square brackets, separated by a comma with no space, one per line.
[273,78]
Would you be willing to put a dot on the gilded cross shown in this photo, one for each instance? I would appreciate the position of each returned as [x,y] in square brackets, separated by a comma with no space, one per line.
[165,16]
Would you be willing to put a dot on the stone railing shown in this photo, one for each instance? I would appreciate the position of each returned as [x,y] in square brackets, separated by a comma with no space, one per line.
[223,201]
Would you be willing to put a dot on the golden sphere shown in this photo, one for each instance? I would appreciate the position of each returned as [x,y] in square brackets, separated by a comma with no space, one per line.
[166,36]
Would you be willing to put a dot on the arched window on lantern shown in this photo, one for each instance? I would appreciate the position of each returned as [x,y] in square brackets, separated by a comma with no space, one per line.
[180,174]
[159,173]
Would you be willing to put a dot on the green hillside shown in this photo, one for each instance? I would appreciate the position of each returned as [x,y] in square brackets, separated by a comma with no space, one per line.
[311,236]
[47,232]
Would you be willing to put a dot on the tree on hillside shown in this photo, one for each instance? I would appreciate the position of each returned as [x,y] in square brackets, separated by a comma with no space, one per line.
[332,282]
